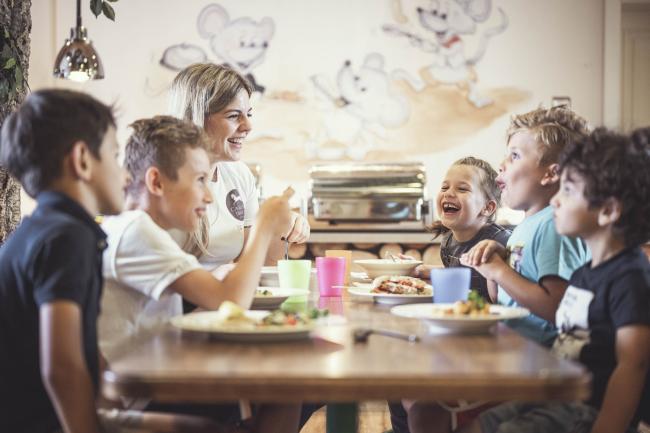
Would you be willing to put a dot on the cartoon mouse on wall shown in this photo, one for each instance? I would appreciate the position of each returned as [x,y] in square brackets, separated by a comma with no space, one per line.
[361,104]
[449,20]
[241,43]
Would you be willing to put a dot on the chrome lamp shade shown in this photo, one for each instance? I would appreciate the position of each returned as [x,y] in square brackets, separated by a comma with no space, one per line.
[78,60]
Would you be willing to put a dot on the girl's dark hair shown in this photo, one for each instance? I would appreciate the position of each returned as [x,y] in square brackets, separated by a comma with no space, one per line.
[488,184]
[41,132]
[615,166]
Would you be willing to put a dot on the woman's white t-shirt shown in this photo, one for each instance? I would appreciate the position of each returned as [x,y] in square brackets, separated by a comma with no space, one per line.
[234,206]
[139,264]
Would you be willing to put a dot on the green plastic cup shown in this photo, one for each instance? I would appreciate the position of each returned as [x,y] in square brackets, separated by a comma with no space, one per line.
[294,274]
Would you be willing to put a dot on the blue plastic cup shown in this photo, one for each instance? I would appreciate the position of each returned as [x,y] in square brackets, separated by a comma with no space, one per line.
[450,284]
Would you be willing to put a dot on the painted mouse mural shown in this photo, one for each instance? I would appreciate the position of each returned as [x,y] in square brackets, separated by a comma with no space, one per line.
[358,108]
[241,43]
[449,21]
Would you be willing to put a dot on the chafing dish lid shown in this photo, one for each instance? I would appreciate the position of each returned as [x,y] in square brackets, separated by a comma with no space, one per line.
[342,171]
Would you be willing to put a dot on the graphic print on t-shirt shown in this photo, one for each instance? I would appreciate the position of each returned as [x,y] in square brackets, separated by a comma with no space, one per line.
[569,345]
[516,254]
[235,204]
[573,311]
[572,319]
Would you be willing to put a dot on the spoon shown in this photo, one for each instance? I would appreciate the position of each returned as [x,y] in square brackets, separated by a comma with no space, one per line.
[361,335]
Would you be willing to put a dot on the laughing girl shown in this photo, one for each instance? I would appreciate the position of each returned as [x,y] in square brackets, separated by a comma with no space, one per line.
[466,203]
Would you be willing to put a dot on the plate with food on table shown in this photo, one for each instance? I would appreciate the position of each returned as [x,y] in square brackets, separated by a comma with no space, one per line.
[394,289]
[471,316]
[270,298]
[233,323]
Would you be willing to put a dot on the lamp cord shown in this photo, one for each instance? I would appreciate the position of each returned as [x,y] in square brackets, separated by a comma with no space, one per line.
[78,13]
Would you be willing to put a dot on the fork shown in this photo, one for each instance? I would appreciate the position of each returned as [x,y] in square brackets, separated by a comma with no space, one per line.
[361,335]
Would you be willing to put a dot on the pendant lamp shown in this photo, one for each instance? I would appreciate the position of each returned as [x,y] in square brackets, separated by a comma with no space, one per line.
[78,60]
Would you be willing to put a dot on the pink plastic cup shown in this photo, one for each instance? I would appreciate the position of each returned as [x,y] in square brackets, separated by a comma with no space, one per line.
[332,303]
[331,273]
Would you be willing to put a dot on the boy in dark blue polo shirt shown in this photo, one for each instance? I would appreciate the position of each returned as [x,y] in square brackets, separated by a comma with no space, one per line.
[61,146]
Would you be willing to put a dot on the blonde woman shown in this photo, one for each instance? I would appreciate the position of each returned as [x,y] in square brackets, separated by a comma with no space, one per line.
[217,99]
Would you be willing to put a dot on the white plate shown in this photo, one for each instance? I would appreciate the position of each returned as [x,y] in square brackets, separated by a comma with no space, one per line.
[207,322]
[433,316]
[378,267]
[387,298]
[276,298]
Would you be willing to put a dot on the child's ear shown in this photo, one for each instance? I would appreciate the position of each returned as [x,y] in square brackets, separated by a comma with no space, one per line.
[610,212]
[153,181]
[489,208]
[79,160]
[552,175]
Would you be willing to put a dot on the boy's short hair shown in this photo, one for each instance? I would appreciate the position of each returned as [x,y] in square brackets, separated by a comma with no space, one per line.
[159,142]
[553,128]
[41,132]
[615,166]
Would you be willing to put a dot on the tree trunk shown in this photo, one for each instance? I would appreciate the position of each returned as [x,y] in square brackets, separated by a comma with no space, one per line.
[16,18]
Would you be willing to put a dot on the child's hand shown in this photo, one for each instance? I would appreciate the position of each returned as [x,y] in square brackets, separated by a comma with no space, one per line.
[490,269]
[300,229]
[276,214]
[482,252]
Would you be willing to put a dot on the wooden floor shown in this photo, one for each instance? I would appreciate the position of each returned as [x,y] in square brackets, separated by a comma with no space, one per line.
[373,418]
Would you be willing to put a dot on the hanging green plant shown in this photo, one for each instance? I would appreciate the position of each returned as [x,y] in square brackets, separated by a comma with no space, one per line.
[11,73]
[99,7]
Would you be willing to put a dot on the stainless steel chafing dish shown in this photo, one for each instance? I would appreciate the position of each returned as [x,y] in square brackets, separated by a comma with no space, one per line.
[368,196]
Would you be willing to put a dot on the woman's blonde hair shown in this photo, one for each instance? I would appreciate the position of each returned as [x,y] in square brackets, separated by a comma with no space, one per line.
[202,89]
[488,184]
[197,92]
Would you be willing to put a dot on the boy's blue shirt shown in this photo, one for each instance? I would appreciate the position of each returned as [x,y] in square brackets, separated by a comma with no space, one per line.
[536,251]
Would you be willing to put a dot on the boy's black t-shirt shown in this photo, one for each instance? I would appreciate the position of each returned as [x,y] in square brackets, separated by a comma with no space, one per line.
[597,303]
[451,250]
[55,254]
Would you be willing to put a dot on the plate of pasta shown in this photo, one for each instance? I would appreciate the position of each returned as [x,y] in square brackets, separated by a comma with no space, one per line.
[231,322]
[460,317]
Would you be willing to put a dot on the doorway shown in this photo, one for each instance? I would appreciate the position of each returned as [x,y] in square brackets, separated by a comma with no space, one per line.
[635,71]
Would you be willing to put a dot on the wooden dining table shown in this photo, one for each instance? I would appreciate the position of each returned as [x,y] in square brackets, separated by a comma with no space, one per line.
[171,365]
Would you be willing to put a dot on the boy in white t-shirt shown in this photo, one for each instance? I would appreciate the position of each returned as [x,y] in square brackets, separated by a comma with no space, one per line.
[147,274]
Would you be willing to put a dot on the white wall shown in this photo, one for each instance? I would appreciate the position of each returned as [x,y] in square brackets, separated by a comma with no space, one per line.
[552,47]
